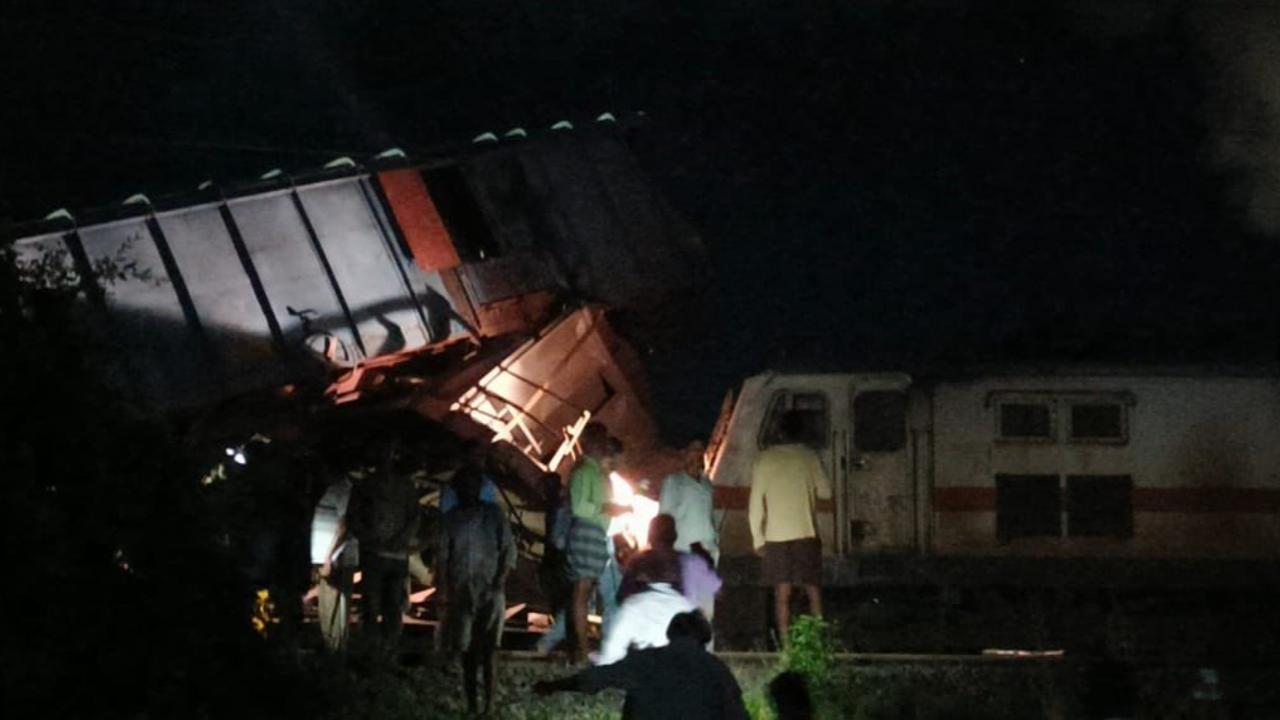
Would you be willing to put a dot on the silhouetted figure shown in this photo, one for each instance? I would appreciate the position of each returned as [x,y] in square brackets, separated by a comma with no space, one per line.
[476,554]
[789,694]
[677,681]
[385,515]
[659,564]
[553,571]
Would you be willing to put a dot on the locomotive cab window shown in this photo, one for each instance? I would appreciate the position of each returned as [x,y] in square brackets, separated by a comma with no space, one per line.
[813,409]
[1098,422]
[1025,421]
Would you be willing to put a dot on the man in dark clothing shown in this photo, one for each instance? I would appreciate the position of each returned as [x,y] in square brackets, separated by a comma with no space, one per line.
[789,694]
[385,513]
[680,680]
[659,564]
[476,553]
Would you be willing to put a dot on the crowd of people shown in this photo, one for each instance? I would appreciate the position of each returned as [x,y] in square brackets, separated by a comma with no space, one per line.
[655,602]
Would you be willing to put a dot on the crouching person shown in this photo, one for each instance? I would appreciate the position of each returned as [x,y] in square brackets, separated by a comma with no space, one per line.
[650,596]
[678,680]
[476,553]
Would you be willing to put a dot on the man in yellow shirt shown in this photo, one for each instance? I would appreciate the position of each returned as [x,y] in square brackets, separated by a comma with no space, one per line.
[786,483]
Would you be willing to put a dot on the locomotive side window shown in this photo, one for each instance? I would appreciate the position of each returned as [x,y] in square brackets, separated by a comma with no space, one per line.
[1100,506]
[813,407]
[1028,506]
[1030,422]
[880,421]
[1098,422]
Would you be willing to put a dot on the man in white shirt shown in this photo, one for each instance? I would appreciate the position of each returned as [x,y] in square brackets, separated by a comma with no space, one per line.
[689,497]
[334,556]
[642,622]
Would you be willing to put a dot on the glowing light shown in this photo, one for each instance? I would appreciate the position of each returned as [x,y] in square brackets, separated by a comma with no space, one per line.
[633,524]
[264,612]
[240,458]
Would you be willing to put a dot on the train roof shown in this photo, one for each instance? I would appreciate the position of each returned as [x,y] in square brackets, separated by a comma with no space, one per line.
[1260,369]
[487,143]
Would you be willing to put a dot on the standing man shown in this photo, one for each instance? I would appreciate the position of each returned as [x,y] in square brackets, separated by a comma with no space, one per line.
[588,547]
[688,496]
[611,579]
[476,554]
[334,557]
[387,514]
[786,483]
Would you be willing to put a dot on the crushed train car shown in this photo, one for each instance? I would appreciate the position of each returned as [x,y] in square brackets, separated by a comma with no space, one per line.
[201,297]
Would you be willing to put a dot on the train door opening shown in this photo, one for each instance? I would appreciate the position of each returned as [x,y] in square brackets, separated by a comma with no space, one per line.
[879,499]
[815,407]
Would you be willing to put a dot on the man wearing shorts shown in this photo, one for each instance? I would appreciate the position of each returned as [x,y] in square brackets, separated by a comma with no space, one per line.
[786,483]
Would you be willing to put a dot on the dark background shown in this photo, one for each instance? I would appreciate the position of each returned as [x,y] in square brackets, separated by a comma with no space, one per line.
[882,185]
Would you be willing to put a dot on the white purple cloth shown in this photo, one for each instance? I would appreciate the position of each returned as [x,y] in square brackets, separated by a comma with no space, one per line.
[699,581]
[642,622]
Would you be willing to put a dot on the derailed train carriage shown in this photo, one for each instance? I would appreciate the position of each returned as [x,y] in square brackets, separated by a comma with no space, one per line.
[468,291]
[202,296]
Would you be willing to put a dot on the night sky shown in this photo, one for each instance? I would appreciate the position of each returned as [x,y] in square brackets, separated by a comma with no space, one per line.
[880,184]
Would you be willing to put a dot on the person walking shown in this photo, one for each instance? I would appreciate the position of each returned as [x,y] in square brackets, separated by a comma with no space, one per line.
[679,680]
[786,483]
[476,552]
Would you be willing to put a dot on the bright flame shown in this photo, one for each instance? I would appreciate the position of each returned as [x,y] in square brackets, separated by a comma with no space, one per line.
[634,524]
